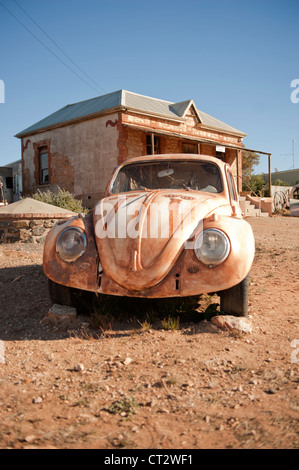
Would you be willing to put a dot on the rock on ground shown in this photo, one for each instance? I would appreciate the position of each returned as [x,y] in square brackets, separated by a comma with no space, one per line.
[234,324]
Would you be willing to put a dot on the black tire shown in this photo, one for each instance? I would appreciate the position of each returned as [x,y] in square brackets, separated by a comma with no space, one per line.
[60,294]
[64,295]
[234,301]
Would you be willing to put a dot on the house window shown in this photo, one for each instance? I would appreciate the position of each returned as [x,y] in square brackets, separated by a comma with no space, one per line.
[189,148]
[9,182]
[149,145]
[43,166]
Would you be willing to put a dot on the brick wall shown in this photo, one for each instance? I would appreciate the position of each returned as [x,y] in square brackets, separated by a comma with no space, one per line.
[189,128]
[132,143]
[62,172]
[171,145]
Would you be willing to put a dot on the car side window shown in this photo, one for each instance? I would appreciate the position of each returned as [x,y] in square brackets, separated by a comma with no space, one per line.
[232,187]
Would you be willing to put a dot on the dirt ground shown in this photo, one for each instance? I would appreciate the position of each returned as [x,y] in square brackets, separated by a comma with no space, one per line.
[130,386]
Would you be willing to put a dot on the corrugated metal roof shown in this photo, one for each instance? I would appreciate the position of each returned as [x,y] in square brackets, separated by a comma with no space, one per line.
[75,111]
[214,123]
[147,104]
[125,99]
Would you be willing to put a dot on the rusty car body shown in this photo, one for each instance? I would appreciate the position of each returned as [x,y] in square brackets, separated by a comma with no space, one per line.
[167,226]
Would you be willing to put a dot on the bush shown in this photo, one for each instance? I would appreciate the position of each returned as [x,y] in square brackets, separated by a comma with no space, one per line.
[61,198]
[279,182]
[255,183]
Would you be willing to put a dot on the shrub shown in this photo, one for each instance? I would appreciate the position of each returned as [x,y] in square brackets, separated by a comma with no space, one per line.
[171,323]
[257,184]
[60,198]
[279,182]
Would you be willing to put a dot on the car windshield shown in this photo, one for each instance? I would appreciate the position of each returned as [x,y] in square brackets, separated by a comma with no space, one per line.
[188,175]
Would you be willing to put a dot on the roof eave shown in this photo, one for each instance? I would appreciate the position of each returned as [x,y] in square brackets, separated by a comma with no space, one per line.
[234,132]
[121,107]
[224,131]
[22,134]
[151,114]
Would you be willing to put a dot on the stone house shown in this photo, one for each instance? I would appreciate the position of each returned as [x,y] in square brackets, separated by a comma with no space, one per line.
[78,146]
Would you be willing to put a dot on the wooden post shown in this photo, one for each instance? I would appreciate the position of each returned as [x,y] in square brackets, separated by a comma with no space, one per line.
[238,176]
[153,143]
[269,169]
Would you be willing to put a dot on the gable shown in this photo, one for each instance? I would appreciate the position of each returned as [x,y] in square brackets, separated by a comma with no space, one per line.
[186,107]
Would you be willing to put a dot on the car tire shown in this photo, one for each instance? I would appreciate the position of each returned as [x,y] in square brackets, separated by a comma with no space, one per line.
[71,297]
[234,301]
[60,294]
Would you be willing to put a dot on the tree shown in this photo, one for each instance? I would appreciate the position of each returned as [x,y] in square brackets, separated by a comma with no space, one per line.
[249,160]
[257,185]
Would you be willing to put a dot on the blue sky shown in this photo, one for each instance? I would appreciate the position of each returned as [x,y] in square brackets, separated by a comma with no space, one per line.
[236,59]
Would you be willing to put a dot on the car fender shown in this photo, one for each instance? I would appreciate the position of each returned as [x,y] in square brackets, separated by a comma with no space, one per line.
[80,274]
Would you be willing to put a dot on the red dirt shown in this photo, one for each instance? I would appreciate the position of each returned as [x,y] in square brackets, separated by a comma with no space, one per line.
[197,387]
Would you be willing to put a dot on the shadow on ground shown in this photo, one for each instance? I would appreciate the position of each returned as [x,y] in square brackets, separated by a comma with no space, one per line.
[25,302]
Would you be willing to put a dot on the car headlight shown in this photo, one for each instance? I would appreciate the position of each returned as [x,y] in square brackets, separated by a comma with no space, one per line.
[71,244]
[212,247]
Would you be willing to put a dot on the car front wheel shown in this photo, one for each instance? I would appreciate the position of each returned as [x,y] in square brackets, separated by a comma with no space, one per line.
[64,295]
[234,301]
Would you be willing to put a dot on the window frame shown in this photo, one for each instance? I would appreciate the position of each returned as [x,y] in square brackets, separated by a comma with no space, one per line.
[231,186]
[157,144]
[42,151]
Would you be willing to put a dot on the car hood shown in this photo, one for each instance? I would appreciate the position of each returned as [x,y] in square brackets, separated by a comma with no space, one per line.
[140,235]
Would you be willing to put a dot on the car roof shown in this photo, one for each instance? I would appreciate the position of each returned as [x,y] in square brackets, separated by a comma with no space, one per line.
[175,156]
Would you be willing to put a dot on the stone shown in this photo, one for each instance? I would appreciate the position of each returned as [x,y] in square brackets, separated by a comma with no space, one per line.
[38,231]
[20,223]
[62,312]
[212,384]
[30,438]
[24,234]
[29,240]
[127,361]
[49,223]
[41,239]
[35,223]
[4,224]
[12,239]
[231,323]
[37,400]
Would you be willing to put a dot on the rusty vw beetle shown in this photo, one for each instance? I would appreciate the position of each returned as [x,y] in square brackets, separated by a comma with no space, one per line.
[167,226]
